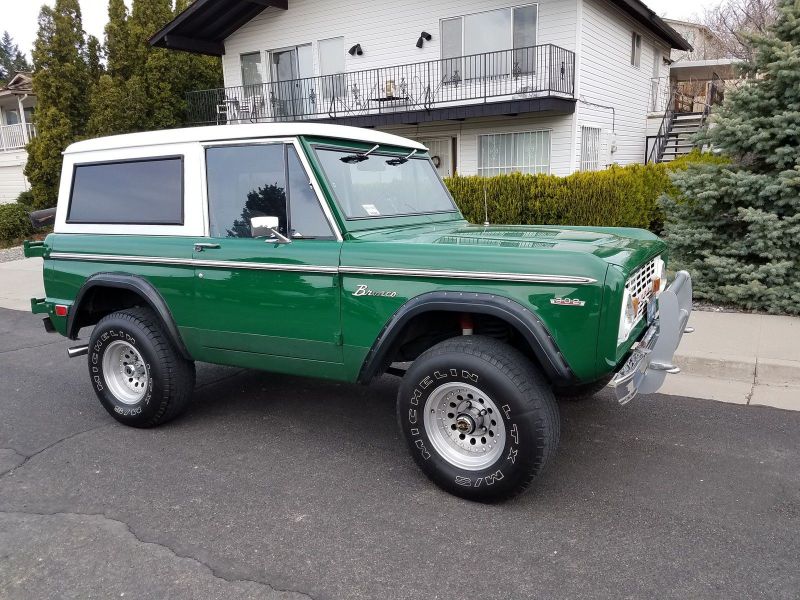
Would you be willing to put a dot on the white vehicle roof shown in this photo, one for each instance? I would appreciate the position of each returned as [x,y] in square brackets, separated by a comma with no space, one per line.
[216,133]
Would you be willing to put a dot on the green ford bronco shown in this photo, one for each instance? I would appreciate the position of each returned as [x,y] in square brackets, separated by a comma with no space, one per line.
[335,252]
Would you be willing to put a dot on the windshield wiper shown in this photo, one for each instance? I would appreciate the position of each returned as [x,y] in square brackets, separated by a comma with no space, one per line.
[399,161]
[357,158]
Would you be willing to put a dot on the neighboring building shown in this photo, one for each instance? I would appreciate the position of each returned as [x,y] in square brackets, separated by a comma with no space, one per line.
[490,87]
[17,103]
[705,45]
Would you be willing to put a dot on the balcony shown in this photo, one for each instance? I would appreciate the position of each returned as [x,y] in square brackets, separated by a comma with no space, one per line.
[533,79]
[16,137]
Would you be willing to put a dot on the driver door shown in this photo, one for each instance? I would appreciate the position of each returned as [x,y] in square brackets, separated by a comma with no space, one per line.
[267,298]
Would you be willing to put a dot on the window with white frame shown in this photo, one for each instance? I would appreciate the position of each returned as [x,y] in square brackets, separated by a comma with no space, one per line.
[636,49]
[525,152]
[332,66]
[590,148]
[252,69]
[489,31]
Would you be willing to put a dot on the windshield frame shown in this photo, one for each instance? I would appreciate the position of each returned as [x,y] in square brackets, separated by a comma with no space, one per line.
[389,152]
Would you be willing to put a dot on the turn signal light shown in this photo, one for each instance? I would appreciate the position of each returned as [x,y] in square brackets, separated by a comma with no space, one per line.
[61,310]
[656,285]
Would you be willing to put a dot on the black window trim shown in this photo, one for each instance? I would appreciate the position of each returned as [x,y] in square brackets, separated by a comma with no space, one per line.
[180,157]
[389,153]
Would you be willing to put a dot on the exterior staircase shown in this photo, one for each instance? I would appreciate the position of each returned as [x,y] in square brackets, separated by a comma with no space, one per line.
[682,128]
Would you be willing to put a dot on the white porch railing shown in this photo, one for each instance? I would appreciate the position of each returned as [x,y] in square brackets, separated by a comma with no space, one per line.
[16,137]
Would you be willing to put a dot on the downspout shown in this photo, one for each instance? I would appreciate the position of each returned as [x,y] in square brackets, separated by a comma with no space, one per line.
[573,147]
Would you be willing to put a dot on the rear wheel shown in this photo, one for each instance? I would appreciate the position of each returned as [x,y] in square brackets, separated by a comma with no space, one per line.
[478,418]
[137,373]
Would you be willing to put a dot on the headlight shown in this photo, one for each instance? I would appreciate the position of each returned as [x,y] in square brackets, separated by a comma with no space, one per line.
[628,317]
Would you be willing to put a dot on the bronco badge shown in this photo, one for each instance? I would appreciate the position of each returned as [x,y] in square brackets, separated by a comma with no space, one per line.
[363,290]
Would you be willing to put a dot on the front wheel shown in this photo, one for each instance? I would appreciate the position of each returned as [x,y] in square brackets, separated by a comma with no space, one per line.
[480,421]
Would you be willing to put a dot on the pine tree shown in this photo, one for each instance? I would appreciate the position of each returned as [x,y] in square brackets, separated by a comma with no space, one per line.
[61,83]
[736,226]
[11,58]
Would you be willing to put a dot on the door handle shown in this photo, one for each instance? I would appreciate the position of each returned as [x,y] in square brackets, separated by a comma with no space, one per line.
[205,246]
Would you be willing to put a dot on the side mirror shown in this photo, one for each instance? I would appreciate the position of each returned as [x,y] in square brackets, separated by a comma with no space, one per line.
[268,226]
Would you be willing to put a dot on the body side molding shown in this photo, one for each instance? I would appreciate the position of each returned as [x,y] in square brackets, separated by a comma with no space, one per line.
[524,320]
[131,283]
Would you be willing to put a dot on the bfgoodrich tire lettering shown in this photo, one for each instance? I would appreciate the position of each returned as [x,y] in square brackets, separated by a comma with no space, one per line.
[137,373]
[475,373]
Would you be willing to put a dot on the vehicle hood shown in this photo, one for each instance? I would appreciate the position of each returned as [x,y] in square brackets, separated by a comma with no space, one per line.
[624,247]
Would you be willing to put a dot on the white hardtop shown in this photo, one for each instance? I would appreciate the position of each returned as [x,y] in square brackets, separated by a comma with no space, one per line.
[221,133]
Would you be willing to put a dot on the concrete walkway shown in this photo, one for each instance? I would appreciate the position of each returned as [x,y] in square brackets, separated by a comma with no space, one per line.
[731,357]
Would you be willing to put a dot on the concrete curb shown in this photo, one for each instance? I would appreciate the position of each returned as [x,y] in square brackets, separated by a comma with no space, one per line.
[770,371]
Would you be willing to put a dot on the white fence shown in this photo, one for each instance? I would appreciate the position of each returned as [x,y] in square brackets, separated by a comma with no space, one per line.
[15,137]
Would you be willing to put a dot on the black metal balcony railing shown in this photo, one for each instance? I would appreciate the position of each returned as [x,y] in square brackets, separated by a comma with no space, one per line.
[521,73]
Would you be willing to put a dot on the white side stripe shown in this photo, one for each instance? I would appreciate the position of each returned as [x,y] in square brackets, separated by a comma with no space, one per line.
[228,264]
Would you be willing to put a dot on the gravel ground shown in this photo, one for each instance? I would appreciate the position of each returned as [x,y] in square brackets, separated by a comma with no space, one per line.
[9,254]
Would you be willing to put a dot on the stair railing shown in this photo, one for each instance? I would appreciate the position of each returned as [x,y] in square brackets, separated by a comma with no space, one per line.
[660,143]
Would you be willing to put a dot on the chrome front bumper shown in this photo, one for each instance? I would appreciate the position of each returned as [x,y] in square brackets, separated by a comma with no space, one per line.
[651,359]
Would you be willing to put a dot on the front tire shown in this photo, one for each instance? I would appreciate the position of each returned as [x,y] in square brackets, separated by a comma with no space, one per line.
[137,373]
[479,419]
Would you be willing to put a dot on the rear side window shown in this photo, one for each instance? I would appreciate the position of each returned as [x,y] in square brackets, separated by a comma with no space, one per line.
[133,192]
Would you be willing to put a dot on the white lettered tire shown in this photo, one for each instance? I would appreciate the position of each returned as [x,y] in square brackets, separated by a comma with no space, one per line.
[479,419]
[137,373]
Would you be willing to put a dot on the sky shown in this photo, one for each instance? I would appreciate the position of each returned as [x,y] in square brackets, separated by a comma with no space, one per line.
[19,16]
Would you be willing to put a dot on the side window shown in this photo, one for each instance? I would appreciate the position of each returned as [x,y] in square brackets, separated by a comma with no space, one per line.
[131,192]
[636,49]
[245,182]
[307,218]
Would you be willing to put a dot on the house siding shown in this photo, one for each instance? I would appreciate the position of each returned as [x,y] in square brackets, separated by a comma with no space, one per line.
[386,39]
[560,127]
[12,177]
[608,80]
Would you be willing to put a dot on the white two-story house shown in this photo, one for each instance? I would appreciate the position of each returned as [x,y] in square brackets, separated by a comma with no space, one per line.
[17,103]
[490,86]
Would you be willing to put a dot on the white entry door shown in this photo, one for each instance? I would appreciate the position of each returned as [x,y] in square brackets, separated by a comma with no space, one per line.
[441,150]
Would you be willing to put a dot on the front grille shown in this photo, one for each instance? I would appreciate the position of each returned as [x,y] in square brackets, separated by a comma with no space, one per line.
[640,285]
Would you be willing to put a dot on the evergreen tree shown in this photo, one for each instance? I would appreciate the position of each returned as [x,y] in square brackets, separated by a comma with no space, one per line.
[94,52]
[61,83]
[118,40]
[11,58]
[736,226]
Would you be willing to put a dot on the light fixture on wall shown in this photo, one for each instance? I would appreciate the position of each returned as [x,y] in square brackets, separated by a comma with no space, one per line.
[356,50]
[423,37]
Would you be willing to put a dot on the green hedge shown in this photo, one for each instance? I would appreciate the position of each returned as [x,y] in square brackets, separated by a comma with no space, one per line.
[615,197]
[14,223]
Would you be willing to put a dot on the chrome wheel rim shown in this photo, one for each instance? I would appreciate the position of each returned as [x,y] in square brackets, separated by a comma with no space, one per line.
[125,372]
[465,426]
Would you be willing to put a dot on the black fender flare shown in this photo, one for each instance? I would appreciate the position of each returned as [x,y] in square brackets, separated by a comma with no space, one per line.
[521,318]
[132,283]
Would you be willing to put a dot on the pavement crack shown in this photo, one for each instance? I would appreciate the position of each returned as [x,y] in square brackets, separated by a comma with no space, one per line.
[753,385]
[216,573]
[28,457]
[31,347]
[220,380]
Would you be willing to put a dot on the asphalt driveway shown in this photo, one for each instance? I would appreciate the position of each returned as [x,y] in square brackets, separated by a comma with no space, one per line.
[278,487]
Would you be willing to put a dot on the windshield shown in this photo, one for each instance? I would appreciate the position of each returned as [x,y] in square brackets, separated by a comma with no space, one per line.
[381,185]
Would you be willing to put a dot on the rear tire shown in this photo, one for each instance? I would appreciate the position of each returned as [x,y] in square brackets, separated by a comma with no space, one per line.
[479,419]
[137,373]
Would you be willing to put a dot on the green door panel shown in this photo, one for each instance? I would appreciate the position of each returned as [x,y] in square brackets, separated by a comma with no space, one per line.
[291,311]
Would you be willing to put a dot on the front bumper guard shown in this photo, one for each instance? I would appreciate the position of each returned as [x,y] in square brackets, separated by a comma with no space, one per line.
[651,360]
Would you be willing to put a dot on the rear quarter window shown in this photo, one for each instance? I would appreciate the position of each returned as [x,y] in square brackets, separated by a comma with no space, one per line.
[133,192]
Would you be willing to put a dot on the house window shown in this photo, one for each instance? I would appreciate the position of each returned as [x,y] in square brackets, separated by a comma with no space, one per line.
[527,152]
[636,49]
[590,148]
[489,31]
[332,67]
[252,70]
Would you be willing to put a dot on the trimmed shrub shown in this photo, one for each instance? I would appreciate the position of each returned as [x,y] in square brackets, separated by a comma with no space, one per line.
[14,223]
[616,197]
[26,199]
